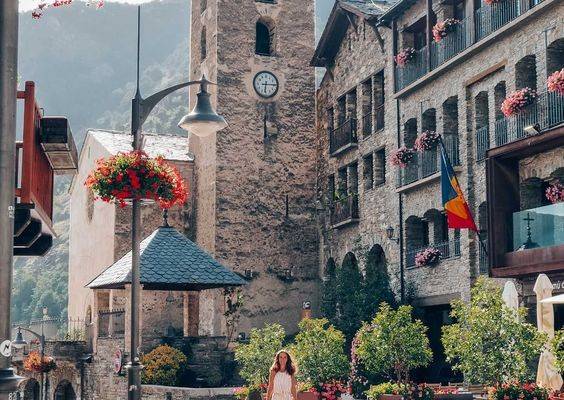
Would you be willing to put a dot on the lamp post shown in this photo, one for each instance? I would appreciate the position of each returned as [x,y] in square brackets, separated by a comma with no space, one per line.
[20,342]
[202,122]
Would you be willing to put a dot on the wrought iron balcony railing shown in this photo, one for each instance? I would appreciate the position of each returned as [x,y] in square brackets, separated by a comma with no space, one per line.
[344,211]
[342,136]
[448,249]
[483,261]
[483,22]
[428,162]
[482,142]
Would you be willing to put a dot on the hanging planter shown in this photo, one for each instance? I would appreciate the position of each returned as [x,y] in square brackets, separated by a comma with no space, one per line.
[555,193]
[555,82]
[443,28]
[428,140]
[429,256]
[402,156]
[34,363]
[517,101]
[134,175]
[404,56]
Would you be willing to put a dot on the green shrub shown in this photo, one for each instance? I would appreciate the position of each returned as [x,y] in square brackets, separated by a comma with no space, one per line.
[409,392]
[255,357]
[489,342]
[319,352]
[163,366]
[557,347]
[393,343]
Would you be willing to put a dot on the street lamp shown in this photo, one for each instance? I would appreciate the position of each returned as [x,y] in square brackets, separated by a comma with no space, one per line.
[20,342]
[390,234]
[202,121]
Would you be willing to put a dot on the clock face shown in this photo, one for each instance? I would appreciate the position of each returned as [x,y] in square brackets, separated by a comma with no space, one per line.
[265,84]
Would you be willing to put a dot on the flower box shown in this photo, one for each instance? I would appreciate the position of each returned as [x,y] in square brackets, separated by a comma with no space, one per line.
[404,56]
[443,28]
[402,156]
[555,82]
[429,256]
[428,140]
[517,101]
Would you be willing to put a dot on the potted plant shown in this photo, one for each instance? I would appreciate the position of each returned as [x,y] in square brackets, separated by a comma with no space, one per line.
[428,140]
[35,363]
[404,56]
[429,256]
[555,82]
[517,101]
[134,175]
[402,156]
[443,28]
[515,390]
[164,366]
[555,193]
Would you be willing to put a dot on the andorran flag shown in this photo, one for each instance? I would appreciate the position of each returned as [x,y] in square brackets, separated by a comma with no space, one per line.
[456,207]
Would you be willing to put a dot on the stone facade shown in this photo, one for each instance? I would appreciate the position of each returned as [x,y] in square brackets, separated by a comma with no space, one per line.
[255,180]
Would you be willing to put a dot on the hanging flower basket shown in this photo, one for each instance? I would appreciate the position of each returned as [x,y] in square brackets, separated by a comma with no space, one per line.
[402,156]
[134,175]
[428,140]
[429,256]
[490,2]
[517,101]
[404,56]
[443,28]
[555,82]
[34,363]
[555,193]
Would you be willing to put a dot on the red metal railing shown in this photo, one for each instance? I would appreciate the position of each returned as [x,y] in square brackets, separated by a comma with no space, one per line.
[34,176]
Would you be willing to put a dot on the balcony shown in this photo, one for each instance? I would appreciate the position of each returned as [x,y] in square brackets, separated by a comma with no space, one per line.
[448,249]
[482,142]
[428,163]
[485,21]
[343,137]
[345,211]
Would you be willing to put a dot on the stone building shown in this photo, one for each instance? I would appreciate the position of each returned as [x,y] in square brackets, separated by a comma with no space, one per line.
[368,106]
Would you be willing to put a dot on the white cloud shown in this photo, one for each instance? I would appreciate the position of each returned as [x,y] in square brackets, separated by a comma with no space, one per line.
[26,5]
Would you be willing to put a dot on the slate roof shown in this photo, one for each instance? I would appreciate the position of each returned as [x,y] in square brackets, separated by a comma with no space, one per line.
[169,261]
[171,147]
[338,23]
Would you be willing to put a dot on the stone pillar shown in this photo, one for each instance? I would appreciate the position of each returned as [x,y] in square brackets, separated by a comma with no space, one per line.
[191,312]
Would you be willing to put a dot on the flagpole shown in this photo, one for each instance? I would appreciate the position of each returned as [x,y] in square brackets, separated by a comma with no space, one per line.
[458,183]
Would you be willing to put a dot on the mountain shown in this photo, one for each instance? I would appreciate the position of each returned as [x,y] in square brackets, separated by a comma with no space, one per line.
[83,62]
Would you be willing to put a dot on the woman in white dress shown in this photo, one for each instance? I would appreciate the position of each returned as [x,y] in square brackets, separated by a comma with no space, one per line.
[282,381]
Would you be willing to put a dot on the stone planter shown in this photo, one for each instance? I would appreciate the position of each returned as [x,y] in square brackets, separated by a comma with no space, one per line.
[307,396]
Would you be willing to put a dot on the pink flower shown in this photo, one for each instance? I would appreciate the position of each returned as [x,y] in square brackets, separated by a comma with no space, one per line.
[443,28]
[428,140]
[429,256]
[402,156]
[555,193]
[404,56]
[555,82]
[517,101]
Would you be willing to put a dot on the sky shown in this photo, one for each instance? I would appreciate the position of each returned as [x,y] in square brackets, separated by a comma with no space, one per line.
[26,5]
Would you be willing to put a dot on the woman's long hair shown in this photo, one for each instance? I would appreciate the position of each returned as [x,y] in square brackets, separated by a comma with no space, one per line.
[290,366]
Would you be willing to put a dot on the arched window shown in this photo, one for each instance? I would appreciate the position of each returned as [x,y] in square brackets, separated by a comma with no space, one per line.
[555,56]
[482,125]
[203,44]
[500,93]
[264,44]
[526,72]
[31,390]
[450,128]
[64,391]
[416,238]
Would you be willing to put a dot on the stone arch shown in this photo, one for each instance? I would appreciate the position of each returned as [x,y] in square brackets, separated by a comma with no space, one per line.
[203,44]
[31,390]
[429,120]
[416,237]
[526,72]
[410,132]
[265,37]
[555,56]
[64,391]
[532,193]
[438,225]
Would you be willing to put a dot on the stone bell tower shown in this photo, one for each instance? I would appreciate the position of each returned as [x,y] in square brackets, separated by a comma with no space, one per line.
[255,181]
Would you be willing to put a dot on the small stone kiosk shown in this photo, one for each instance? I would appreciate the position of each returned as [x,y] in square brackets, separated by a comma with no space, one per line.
[173,272]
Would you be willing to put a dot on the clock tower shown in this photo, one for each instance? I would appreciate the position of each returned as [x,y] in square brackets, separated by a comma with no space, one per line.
[255,181]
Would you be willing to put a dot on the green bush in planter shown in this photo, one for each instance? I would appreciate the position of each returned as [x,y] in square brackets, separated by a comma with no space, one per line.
[255,357]
[319,352]
[393,343]
[557,347]
[163,366]
[489,342]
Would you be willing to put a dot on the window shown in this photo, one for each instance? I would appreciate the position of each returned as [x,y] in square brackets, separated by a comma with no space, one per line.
[380,167]
[353,179]
[378,89]
[330,120]
[367,107]
[368,171]
[351,104]
[264,44]
[341,110]
[203,44]
[342,184]
[331,188]
[526,72]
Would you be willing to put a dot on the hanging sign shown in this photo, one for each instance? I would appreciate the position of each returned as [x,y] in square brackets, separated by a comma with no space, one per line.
[117,361]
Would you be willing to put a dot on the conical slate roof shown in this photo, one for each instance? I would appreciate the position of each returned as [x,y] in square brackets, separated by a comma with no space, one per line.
[169,261]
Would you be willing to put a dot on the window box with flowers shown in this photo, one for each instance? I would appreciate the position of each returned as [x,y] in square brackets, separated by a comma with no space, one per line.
[34,363]
[555,82]
[555,193]
[428,140]
[404,56]
[429,256]
[443,28]
[402,157]
[517,101]
[134,175]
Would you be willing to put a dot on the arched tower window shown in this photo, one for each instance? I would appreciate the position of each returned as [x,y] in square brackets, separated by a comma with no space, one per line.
[203,44]
[265,31]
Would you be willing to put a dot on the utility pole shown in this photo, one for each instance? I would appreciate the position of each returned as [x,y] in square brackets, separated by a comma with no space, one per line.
[8,94]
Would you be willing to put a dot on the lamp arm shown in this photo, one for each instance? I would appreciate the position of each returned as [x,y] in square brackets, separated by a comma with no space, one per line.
[37,335]
[150,102]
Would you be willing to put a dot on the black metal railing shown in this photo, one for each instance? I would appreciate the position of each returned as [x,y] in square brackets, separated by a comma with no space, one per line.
[57,329]
[482,142]
[111,323]
[483,22]
[343,135]
[483,261]
[379,118]
[448,250]
[344,210]
[367,124]
[428,163]
[546,111]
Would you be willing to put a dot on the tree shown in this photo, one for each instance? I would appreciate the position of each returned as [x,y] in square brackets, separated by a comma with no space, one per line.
[319,350]
[256,356]
[329,293]
[376,283]
[489,342]
[394,343]
[350,297]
